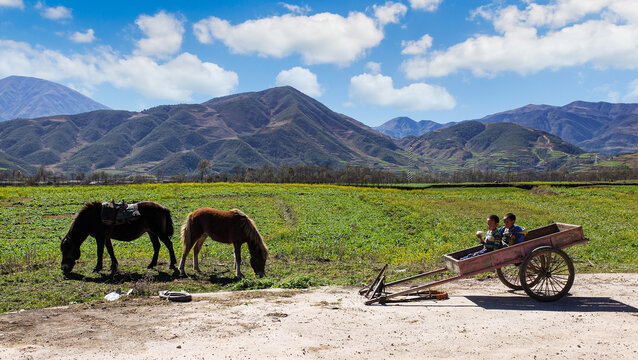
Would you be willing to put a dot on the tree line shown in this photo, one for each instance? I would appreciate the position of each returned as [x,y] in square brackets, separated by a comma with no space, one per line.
[306,174]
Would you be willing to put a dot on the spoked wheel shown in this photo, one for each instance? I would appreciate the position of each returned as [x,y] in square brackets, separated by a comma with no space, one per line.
[547,274]
[509,276]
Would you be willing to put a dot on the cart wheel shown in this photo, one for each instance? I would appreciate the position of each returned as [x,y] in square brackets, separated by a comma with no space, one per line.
[547,274]
[509,276]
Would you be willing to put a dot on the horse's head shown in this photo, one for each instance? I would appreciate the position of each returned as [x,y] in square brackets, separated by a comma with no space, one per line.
[70,254]
[258,265]
[78,232]
[258,261]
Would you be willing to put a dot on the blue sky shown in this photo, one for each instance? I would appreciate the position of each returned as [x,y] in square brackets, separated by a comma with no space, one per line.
[440,60]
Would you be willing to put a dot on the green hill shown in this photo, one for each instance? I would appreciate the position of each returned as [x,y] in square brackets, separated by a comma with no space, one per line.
[498,146]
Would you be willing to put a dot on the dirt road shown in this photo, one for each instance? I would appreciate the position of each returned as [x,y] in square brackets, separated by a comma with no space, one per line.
[481,320]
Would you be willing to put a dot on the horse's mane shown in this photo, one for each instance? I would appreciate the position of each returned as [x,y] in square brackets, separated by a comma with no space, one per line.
[88,205]
[250,229]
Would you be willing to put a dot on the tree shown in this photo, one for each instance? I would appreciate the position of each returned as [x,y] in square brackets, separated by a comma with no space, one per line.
[203,167]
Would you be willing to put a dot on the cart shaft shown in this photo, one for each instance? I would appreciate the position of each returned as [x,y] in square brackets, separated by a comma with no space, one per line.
[382,299]
[416,277]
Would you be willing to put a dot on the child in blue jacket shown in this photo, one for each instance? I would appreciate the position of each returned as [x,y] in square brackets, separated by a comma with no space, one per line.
[512,234]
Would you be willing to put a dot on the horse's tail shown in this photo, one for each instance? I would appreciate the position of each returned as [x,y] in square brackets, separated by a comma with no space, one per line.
[186,233]
[250,230]
[170,230]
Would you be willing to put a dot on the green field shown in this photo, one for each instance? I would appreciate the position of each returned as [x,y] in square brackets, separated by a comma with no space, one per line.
[317,235]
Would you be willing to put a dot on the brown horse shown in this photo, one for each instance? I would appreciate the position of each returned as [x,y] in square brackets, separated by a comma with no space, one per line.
[154,219]
[229,227]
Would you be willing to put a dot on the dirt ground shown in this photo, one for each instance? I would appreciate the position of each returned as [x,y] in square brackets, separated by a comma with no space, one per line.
[480,320]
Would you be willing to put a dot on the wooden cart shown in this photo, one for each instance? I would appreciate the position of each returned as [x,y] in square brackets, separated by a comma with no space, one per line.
[538,265]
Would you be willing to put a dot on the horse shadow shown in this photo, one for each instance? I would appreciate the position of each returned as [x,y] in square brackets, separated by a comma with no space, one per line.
[121,277]
[124,277]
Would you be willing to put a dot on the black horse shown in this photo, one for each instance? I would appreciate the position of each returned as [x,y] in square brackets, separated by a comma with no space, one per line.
[154,219]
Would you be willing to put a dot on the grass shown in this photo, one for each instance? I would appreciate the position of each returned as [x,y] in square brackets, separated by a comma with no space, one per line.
[317,235]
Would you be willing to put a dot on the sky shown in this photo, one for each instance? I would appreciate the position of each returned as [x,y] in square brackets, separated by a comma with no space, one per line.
[440,60]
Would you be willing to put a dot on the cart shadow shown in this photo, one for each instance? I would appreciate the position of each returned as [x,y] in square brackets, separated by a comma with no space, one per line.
[566,304]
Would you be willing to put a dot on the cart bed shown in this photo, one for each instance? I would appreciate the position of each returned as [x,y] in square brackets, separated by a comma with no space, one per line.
[557,235]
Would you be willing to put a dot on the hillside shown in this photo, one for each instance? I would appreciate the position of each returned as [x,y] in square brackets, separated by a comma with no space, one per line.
[270,127]
[8,162]
[497,146]
[600,127]
[27,97]
[401,127]
[597,127]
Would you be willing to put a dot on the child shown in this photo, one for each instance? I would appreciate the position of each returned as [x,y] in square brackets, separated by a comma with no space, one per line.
[512,234]
[492,239]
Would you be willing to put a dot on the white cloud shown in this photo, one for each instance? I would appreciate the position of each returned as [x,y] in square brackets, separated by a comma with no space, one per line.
[176,80]
[301,79]
[296,9]
[418,47]
[373,67]
[565,33]
[54,13]
[427,5]
[632,95]
[163,35]
[389,13]
[79,37]
[379,90]
[12,3]
[321,38]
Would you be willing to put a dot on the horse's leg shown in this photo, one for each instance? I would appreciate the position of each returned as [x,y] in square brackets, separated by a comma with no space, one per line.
[156,248]
[100,253]
[109,248]
[238,259]
[196,249]
[169,245]
[186,248]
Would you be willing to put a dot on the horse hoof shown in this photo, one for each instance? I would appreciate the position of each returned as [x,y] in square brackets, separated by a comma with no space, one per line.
[150,266]
[97,270]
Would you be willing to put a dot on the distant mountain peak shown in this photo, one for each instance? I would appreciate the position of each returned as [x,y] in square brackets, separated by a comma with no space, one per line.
[402,126]
[29,97]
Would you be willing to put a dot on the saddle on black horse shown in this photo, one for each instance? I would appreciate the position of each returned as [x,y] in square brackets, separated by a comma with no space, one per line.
[119,213]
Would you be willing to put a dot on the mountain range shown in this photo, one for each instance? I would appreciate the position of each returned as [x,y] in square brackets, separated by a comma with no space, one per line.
[27,97]
[266,128]
[270,127]
[598,127]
